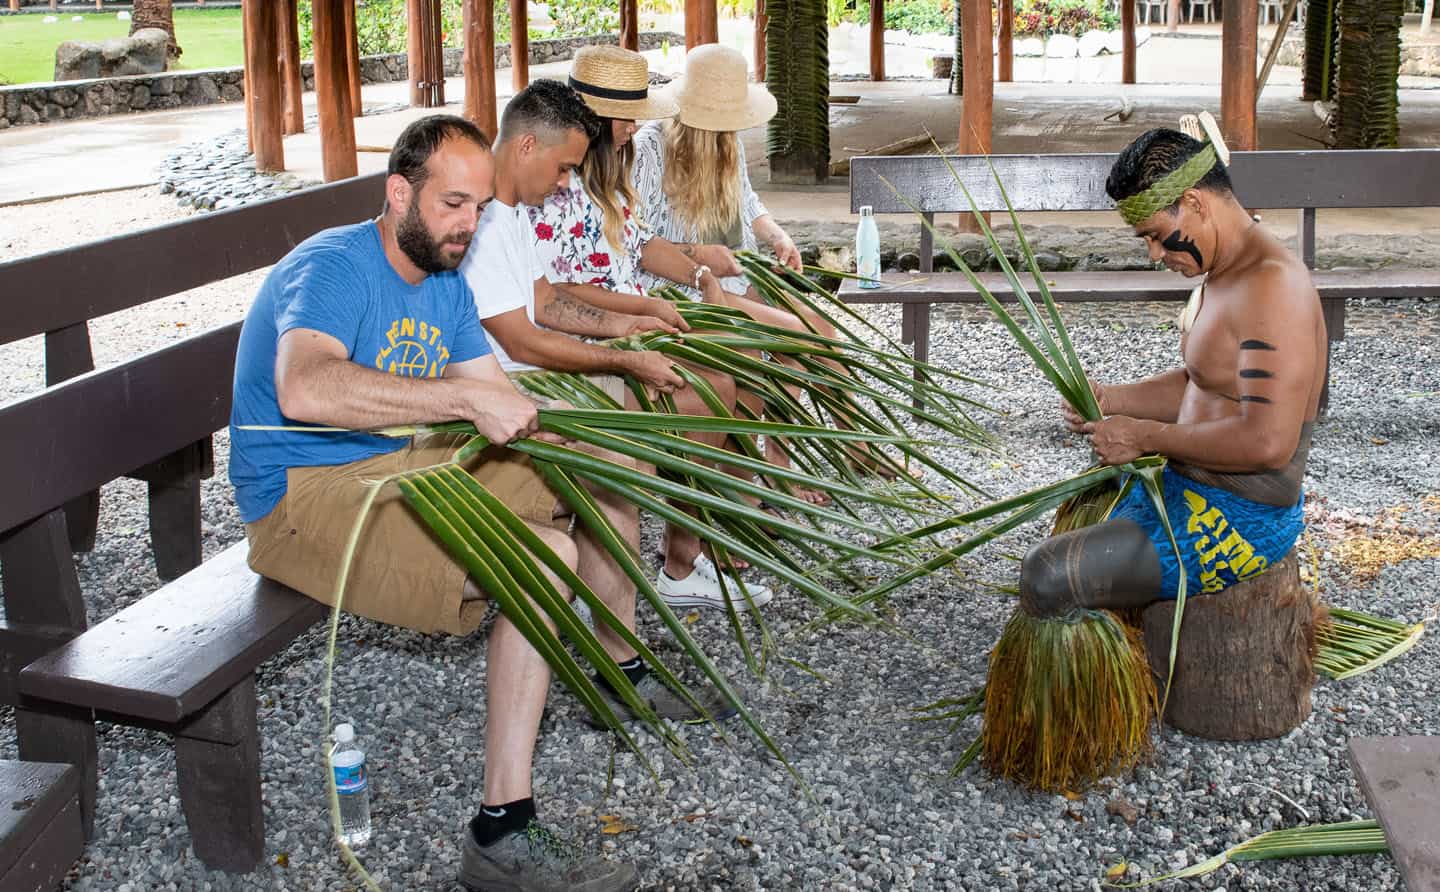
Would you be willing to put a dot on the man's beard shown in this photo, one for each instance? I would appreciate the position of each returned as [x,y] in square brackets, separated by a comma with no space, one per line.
[414,239]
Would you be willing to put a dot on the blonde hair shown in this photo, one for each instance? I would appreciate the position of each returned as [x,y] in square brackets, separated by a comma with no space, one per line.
[605,173]
[702,176]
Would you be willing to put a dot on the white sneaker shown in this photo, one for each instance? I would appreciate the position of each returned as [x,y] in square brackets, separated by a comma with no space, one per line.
[702,588]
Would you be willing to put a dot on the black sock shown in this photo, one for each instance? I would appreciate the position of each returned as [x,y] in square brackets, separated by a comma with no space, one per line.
[495,821]
[634,669]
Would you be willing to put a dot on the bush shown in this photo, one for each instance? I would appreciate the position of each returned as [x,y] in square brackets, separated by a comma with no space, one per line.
[1043,18]
[382,25]
[919,16]
[582,18]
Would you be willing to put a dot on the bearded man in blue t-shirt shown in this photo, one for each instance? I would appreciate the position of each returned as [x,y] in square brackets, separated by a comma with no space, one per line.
[367,326]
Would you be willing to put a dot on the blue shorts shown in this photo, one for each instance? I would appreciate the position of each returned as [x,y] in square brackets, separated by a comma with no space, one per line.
[1225,538]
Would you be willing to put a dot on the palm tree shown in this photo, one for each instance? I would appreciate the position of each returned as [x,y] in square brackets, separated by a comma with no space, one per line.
[797,70]
[1322,31]
[156,14]
[1367,114]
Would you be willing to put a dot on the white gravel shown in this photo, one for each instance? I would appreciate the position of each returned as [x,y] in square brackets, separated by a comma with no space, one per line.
[873,808]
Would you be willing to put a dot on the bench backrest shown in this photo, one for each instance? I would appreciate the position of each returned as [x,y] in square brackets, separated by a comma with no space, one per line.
[73,437]
[1379,178]
[58,292]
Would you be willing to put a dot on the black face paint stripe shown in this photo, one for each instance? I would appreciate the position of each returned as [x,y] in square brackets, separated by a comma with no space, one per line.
[1255,345]
[1177,242]
[1255,373]
[1255,399]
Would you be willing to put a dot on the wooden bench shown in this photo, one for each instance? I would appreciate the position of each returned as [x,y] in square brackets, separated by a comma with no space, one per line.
[181,660]
[40,834]
[1306,181]
[1400,777]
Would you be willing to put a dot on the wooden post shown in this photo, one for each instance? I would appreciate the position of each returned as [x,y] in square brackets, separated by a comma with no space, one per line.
[1238,39]
[709,22]
[519,45]
[692,24]
[1127,41]
[762,21]
[415,31]
[479,62]
[290,67]
[630,25]
[877,40]
[332,93]
[262,61]
[977,106]
[246,88]
[1007,40]
[352,60]
[436,37]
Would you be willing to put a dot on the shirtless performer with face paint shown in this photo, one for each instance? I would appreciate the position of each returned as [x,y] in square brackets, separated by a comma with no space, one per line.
[1234,420]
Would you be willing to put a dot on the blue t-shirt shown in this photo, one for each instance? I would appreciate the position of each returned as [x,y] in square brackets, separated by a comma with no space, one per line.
[338,282]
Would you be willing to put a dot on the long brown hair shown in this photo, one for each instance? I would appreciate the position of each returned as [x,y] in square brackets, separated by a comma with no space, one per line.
[702,176]
[606,175]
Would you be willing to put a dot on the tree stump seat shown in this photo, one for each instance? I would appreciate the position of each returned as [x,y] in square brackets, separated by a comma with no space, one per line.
[1245,664]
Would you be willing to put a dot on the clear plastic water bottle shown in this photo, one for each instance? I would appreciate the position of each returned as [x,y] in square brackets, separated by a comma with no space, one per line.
[352,784]
[867,249]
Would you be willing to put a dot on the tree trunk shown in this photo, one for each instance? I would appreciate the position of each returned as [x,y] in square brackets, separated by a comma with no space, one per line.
[957,70]
[797,70]
[1322,30]
[1245,665]
[1367,114]
[156,14]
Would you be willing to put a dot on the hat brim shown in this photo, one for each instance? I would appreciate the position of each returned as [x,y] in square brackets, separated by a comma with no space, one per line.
[652,108]
[758,109]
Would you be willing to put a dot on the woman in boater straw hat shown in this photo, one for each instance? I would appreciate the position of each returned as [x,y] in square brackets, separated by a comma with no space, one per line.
[588,236]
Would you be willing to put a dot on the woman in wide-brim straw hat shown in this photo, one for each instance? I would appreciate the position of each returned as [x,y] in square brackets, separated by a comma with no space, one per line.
[589,237]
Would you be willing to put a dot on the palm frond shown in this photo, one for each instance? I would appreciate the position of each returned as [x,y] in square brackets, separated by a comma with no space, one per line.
[1350,643]
[1349,838]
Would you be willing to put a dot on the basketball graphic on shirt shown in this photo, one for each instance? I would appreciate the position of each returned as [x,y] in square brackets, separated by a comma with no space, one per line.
[409,359]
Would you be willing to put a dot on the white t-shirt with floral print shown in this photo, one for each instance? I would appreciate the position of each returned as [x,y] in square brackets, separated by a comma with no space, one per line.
[570,241]
[648,176]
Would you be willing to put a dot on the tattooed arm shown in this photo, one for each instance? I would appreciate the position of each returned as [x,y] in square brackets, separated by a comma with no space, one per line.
[624,304]
[557,352]
[1279,334]
[563,309]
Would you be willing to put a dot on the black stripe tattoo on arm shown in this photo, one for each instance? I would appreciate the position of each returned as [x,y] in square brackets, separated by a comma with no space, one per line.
[1254,344]
[1255,373]
[1256,399]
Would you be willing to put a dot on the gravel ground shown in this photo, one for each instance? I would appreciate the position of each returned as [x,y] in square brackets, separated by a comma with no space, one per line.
[872,808]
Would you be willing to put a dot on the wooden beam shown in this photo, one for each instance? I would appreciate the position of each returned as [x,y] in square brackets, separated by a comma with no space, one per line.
[262,61]
[332,93]
[415,50]
[977,105]
[479,64]
[762,21]
[519,45]
[630,25]
[290,67]
[1007,40]
[877,40]
[246,88]
[1127,42]
[436,46]
[1239,36]
[709,22]
[692,24]
[352,60]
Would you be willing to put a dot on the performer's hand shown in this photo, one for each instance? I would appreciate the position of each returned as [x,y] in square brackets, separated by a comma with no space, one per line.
[719,258]
[665,311]
[1073,419]
[503,415]
[786,252]
[642,324]
[1117,439]
[655,370]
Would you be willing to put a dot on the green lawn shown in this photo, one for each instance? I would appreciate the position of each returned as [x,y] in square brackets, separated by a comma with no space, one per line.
[208,39]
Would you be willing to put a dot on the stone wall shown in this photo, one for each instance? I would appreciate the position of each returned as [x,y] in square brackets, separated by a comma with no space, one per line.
[41,103]
[1421,60]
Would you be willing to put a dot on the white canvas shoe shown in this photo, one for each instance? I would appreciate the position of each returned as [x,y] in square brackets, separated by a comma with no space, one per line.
[702,588]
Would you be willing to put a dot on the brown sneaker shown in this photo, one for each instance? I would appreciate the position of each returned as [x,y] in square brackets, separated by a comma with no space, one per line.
[535,860]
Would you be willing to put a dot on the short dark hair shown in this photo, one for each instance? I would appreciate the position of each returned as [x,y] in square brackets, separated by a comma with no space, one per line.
[547,108]
[1156,153]
[422,138]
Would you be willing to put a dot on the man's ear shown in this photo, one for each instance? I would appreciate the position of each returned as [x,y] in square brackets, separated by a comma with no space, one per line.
[1194,202]
[527,144]
[398,193]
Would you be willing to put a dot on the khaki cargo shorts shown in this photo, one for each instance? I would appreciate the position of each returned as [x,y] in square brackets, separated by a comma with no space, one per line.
[401,574]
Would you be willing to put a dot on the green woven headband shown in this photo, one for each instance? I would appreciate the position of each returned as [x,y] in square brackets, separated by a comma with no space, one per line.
[1168,189]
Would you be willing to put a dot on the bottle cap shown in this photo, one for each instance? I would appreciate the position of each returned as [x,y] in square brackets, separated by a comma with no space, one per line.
[344,733]
[866,210]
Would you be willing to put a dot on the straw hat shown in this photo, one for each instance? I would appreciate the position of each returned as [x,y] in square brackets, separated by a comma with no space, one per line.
[716,93]
[615,83]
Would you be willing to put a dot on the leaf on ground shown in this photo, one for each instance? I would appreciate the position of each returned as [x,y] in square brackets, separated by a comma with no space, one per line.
[1379,441]
[692,617]
[1117,871]
[745,841]
[1073,796]
[610,825]
[283,859]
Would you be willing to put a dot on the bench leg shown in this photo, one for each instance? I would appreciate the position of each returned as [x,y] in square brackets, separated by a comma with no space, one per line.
[67,736]
[67,354]
[217,758]
[175,507]
[1334,311]
[43,601]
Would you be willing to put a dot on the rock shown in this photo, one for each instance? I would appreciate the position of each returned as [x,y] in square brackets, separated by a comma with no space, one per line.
[1030,47]
[1123,810]
[65,97]
[231,93]
[1092,43]
[27,115]
[1114,42]
[162,86]
[140,97]
[908,262]
[202,91]
[1062,46]
[141,53]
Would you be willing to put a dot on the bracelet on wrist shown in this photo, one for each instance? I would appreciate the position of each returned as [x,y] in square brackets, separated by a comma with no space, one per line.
[700,271]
